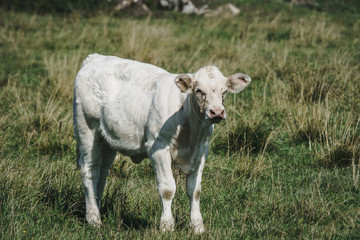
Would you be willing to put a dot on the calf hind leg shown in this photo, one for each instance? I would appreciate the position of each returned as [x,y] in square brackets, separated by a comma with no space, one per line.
[90,163]
[107,158]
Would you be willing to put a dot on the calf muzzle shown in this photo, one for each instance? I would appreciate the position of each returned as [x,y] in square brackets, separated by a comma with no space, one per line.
[216,114]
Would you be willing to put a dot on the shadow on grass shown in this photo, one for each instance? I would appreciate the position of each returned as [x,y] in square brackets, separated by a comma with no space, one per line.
[115,202]
[130,221]
[341,155]
[70,201]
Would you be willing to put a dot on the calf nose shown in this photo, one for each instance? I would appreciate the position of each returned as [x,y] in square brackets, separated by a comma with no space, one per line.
[217,112]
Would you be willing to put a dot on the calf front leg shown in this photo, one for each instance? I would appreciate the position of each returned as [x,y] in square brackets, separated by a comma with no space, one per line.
[193,189]
[161,161]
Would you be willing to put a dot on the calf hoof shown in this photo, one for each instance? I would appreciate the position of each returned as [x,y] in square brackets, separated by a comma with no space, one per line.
[167,224]
[198,227]
[93,219]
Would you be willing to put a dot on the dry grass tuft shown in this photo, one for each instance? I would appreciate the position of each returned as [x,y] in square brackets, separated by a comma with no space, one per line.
[342,146]
[245,134]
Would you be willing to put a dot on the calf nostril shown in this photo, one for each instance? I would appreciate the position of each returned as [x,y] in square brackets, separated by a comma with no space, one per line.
[217,113]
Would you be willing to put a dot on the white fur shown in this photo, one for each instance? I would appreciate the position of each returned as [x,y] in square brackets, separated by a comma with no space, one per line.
[138,110]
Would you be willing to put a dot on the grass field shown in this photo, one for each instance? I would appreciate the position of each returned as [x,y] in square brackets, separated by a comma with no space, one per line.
[285,164]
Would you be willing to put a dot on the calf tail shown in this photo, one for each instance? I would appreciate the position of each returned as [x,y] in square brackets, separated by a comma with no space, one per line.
[75,130]
[77,155]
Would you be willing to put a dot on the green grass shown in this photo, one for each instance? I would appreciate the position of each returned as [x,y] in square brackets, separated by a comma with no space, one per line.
[285,164]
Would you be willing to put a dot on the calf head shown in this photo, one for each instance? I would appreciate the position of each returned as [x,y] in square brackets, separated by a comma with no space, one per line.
[208,88]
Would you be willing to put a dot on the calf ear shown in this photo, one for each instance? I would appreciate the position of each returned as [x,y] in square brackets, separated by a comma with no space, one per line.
[237,82]
[184,82]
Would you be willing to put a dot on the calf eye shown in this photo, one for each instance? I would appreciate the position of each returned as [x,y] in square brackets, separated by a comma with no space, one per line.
[200,94]
[223,96]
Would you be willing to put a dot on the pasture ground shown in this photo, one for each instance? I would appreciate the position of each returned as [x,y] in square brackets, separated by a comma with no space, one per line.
[285,164]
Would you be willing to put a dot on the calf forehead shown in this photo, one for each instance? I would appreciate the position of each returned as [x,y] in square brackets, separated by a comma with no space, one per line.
[210,78]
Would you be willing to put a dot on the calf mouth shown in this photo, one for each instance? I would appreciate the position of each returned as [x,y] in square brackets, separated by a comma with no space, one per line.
[216,120]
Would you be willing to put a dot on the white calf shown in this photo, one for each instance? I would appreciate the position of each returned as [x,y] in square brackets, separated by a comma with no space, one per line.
[138,110]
